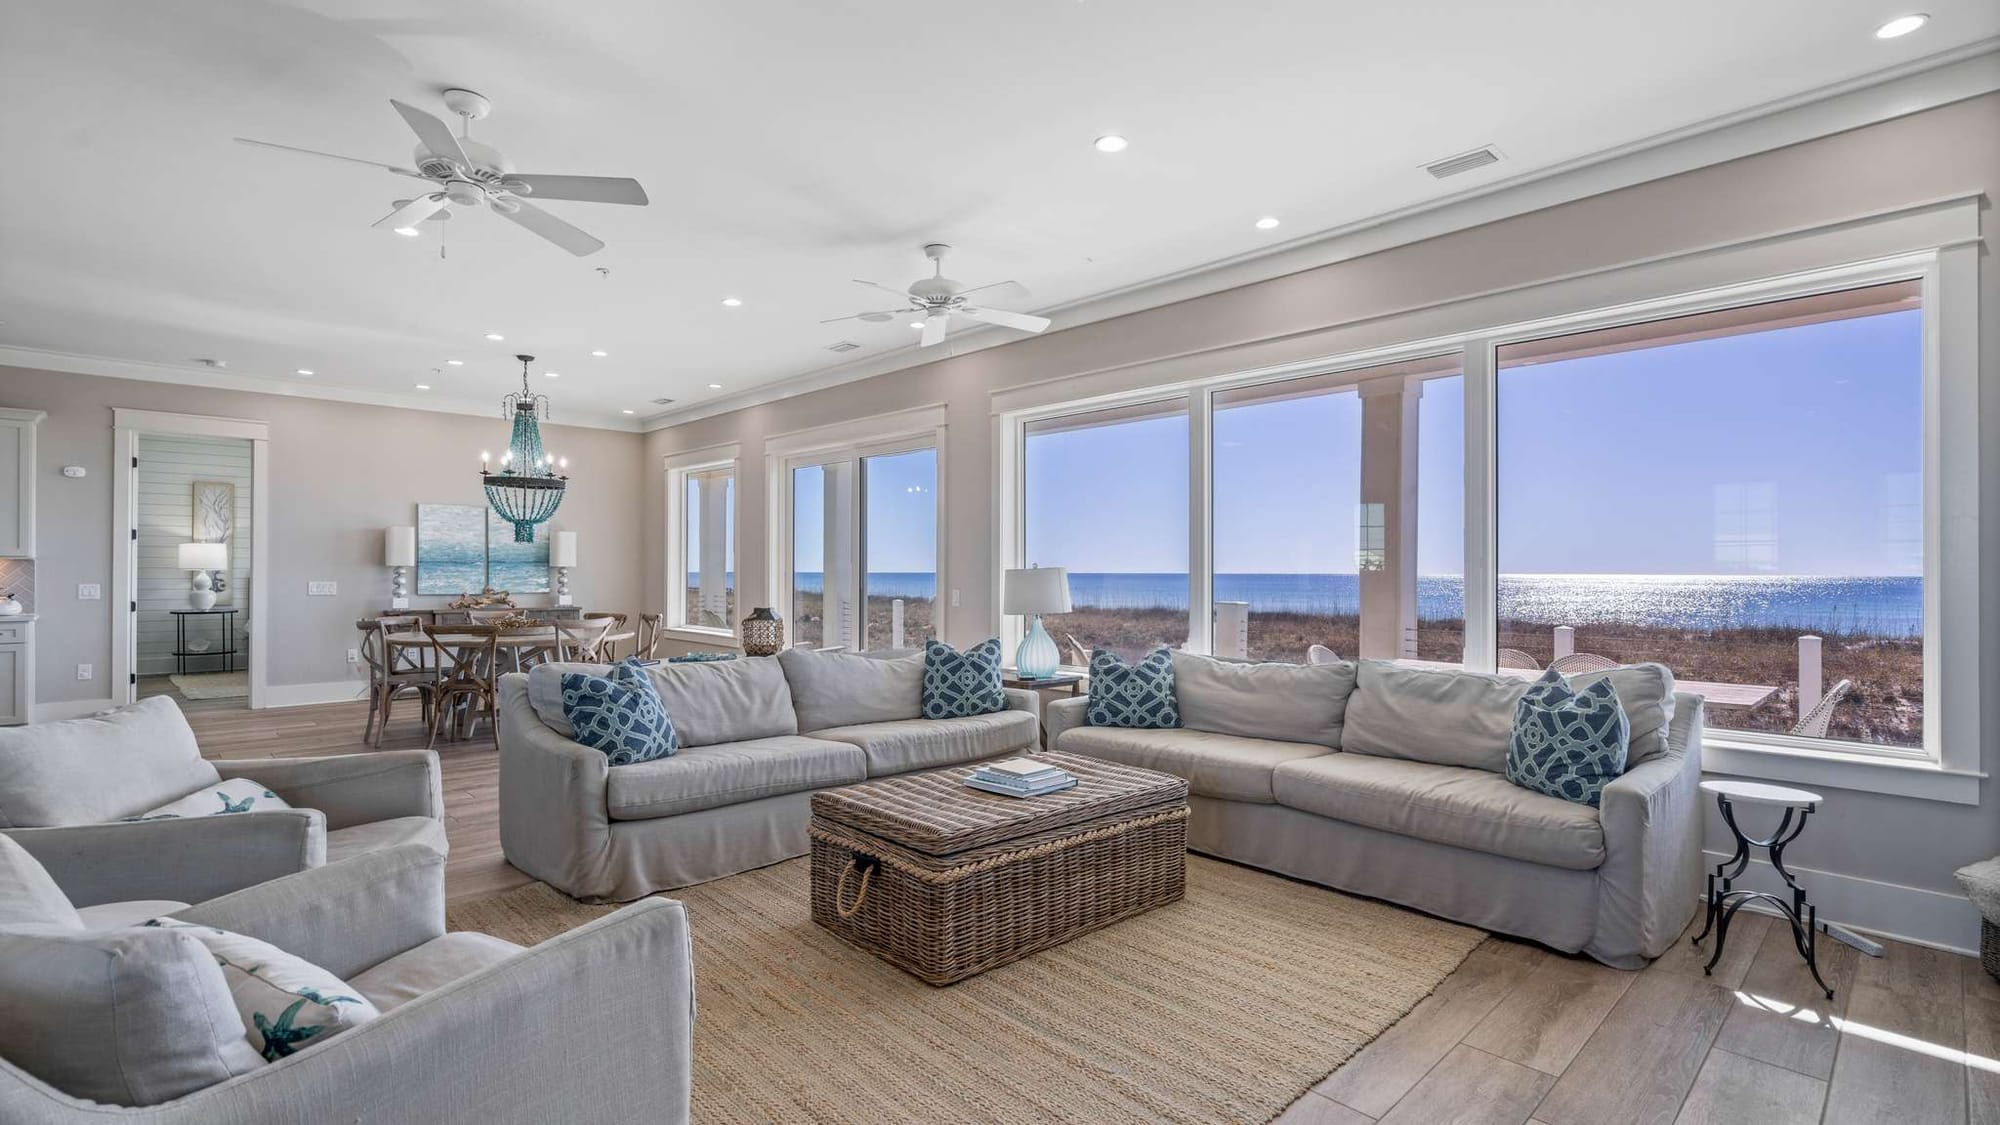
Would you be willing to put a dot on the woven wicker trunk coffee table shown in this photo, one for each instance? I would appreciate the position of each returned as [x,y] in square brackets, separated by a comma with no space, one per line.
[946,881]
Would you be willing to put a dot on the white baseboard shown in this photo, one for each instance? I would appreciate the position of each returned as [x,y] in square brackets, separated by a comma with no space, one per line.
[306,695]
[68,709]
[1937,919]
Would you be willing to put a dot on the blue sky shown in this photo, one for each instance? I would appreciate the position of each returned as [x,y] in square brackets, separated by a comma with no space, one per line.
[902,514]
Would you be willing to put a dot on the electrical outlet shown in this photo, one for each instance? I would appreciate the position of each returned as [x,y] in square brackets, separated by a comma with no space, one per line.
[954,597]
[322,589]
[85,671]
[89,591]
[354,656]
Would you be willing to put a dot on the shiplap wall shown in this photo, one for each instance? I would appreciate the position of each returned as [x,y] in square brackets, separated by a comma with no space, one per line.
[168,468]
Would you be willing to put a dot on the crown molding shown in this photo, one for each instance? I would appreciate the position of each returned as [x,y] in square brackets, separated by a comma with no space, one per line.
[1922,84]
[71,363]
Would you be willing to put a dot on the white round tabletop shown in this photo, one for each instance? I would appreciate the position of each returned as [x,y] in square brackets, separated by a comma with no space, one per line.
[1758,793]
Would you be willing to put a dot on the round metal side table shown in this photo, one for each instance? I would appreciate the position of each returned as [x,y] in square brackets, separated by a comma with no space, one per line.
[1724,900]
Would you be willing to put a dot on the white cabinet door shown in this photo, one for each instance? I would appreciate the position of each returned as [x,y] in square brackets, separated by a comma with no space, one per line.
[17,482]
[13,684]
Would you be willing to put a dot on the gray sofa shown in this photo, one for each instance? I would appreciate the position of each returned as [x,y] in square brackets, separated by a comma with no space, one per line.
[65,787]
[1389,781]
[593,1026]
[759,736]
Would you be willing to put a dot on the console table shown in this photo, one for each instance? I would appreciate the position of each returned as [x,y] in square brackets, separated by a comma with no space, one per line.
[228,638]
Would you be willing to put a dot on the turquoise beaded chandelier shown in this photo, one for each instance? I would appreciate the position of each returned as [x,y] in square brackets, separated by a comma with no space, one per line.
[529,486]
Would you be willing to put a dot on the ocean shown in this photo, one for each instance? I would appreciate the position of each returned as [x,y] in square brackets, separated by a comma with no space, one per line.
[1892,605]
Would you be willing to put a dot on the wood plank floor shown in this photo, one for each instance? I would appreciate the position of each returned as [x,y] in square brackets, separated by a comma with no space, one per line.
[1517,1034]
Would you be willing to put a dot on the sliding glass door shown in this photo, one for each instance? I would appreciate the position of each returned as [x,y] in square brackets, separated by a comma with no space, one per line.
[864,548]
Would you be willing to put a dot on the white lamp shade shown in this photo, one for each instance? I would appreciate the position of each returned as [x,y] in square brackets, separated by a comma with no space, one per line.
[399,546]
[204,556]
[1038,590]
[562,549]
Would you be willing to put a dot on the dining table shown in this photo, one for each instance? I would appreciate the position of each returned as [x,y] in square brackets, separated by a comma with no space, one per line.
[515,644]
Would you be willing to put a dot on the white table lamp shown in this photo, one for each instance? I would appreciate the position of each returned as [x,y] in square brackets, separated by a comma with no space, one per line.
[1033,592]
[399,553]
[203,558]
[562,556]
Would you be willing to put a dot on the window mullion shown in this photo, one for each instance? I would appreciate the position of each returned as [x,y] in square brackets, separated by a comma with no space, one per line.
[1481,508]
[1201,518]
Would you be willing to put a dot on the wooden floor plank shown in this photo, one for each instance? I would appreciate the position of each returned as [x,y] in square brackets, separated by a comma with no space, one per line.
[1982,1049]
[1312,1109]
[1645,1055]
[1734,1090]
[1900,1058]
[1471,1087]
[1545,1022]
[1784,1018]
[1746,934]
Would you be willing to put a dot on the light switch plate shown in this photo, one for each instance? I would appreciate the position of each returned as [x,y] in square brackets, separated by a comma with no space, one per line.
[84,671]
[89,591]
[322,589]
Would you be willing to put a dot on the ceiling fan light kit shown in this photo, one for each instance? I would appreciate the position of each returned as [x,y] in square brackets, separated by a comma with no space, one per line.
[936,299]
[468,173]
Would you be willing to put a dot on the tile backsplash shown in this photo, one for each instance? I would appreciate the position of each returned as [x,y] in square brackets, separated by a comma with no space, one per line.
[17,577]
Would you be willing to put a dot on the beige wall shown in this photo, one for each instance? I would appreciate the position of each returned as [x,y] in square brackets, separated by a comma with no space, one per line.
[1950,151]
[340,473]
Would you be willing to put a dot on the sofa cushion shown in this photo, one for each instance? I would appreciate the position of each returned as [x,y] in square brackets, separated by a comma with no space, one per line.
[1227,766]
[712,702]
[360,839]
[958,685]
[1567,744]
[916,744]
[28,893]
[429,967]
[87,771]
[844,689]
[286,1003]
[128,1017]
[114,915]
[1646,692]
[230,795]
[619,715]
[1137,696]
[1446,718]
[708,777]
[1281,702]
[1456,805]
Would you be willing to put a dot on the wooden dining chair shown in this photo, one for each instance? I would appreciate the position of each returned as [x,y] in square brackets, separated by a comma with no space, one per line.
[648,645]
[582,642]
[394,671]
[489,616]
[466,669]
[608,651]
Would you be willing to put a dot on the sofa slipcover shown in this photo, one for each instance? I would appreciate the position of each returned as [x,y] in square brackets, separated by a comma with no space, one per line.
[708,777]
[1281,702]
[1215,765]
[922,744]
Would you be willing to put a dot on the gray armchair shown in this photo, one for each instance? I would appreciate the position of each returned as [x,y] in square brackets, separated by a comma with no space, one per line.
[65,788]
[593,1026]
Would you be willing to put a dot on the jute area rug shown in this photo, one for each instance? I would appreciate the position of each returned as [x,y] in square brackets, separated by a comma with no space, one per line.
[212,685]
[1225,1006]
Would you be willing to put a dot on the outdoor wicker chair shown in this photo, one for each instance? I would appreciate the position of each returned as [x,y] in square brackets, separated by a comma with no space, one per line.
[1816,722]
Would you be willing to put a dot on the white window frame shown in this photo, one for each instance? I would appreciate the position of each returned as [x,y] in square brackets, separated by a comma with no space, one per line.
[678,468]
[850,443]
[1935,244]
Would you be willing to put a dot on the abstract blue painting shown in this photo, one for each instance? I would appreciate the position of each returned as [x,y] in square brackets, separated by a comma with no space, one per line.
[518,568]
[451,549]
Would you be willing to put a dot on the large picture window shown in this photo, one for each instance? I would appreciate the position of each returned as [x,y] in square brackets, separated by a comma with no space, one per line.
[863,547]
[701,547]
[1735,494]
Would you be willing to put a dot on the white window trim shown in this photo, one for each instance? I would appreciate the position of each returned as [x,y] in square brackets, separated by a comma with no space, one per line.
[677,468]
[902,431]
[1936,243]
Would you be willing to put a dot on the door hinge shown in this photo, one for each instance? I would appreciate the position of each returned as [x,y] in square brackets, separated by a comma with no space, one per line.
[135,677]
[135,607]
[135,535]
[135,462]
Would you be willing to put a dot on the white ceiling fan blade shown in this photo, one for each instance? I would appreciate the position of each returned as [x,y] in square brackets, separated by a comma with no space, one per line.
[331,156]
[899,294]
[1006,319]
[412,213]
[999,293]
[583,189]
[434,134]
[552,228]
[934,326]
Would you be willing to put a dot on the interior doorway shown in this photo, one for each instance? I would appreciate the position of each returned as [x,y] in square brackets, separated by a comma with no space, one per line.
[190,535]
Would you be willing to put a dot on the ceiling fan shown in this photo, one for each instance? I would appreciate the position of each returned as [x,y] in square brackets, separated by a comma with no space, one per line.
[938,298]
[462,171]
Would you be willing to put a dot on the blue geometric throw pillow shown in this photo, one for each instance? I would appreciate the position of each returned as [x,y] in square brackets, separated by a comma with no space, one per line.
[958,685]
[619,713]
[1132,695]
[1568,743]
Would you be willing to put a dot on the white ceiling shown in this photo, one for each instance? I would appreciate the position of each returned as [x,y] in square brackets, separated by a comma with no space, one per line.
[787,148]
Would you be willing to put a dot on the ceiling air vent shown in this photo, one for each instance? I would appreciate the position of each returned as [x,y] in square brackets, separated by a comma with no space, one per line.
[663,402]
[1463,162]
[843,346]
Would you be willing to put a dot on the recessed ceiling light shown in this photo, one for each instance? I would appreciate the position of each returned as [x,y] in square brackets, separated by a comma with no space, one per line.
[916,324]
[1267,223]
[1111,142]
[600,353]
[732,302]
[408,232]
[551,374]
[305,370]
[625,412]
[423,386]
[1901,26]
[715,386]
[495,336]
[456,362]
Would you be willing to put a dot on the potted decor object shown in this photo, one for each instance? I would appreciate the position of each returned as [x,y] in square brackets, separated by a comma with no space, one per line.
[763,632]
[1982,885]
[10,606]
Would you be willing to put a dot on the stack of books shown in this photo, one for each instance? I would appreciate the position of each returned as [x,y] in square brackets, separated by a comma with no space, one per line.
[1021,777]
